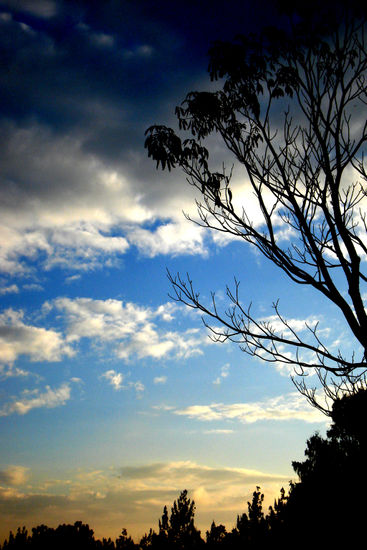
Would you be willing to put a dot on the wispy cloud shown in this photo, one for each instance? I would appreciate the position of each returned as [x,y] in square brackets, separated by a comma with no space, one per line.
[139,493]
[224,373]
[160,379]
[117,381]
[219,431]
[114,378]
[11,289]
[292,406]
[35,399]
[14,475]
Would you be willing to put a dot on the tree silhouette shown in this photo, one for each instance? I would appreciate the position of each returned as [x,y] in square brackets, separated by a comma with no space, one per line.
[18,541]
[322,508]
[74,537]
[216,537]
[179,531]
[292,111]
[251,529]
[330,496]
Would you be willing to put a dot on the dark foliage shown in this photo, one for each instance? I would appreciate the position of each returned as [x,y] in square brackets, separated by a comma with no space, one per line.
[291,113]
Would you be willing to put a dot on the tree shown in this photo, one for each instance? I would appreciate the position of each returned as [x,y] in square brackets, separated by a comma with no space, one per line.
[216,536]
[20,541]
[307,174]
[178,530]
[125,542]
[330,495]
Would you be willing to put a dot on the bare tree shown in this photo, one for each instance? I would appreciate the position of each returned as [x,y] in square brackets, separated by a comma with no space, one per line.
[292,109]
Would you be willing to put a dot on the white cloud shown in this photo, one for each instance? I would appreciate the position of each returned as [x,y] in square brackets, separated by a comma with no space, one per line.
[34,399]
[224,373]
[11,289]
[133,329]
[160,379]
[39,344]
[64,206]
[179,238]
[297,325]
[292,406]
[138,387]
[114,378]
[10,371]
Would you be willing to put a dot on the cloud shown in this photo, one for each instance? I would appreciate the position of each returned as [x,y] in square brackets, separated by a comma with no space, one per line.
[297,325]
[191,473]
[65,207]
[282,408]
[84,192]
[134,495]
[160,379]
[138,387]
[178,238]
[224,373]
[219,431]
[10,371]
[14,475]
[133,329]
[38,8]
[11,289]
[114,378]
[39,344]
[34,399]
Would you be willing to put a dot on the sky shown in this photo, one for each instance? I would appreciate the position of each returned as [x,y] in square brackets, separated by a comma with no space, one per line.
[113,397]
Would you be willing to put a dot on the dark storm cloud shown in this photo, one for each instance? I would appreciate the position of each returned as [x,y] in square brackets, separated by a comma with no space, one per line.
[80,81]
[117,53]
[105,71]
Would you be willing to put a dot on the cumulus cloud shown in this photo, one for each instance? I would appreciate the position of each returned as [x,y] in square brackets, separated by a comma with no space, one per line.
[134,330]
[284,407]
[174,238]
[84,192]
[19,338]
[65,207]
[114,378]
[35,399]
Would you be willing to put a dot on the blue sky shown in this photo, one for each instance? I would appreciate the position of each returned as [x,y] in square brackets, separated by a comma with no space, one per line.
[113,398]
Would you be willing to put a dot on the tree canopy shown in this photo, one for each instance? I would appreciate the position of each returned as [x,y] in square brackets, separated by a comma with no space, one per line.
[291,108]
